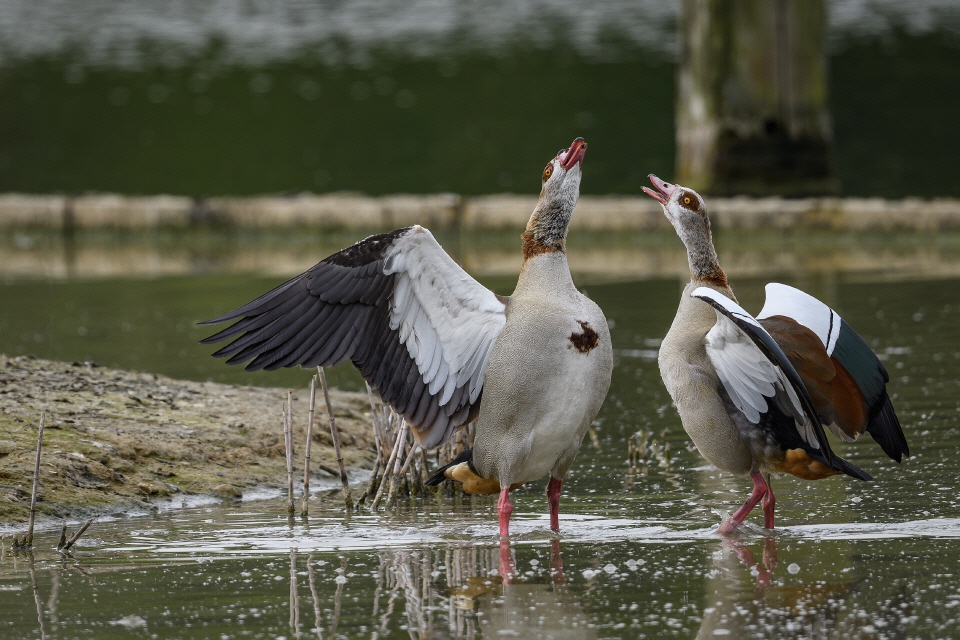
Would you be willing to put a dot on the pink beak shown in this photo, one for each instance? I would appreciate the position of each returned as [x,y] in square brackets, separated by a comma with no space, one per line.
[663,192]
[574,154]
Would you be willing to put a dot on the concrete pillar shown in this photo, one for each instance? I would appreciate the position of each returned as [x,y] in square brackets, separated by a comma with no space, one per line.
[752,111]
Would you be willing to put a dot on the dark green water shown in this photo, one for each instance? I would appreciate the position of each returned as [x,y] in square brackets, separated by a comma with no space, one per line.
[640,558]
[472,115]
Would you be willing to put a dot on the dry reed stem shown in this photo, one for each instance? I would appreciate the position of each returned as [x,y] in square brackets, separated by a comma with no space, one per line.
[335,436]
[386,470]
[403,454]
[77,535]
[370,483]
[28,540]
[287,420]
[306,457]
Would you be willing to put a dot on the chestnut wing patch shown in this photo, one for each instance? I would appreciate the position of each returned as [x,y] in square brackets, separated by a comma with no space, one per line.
[838,399]
[586,341]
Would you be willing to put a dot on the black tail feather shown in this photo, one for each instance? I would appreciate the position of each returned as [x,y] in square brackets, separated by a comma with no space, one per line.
[850,469]
[437,476]
[886,430]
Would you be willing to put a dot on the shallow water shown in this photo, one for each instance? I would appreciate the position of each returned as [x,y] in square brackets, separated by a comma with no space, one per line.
[638,549]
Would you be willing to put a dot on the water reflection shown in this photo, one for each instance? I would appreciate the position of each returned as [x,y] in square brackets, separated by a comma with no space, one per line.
[747,597]
[477,587]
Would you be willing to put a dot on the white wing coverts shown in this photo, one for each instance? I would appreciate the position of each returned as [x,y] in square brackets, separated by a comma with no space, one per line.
[755,371]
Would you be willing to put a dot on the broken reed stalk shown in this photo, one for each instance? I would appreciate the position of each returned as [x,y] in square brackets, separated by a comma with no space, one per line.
[335,436]
[397,444]
[77,535]
[288,447]
[371,484]
[28,541]
[395,475]
[401,466]
[306,457]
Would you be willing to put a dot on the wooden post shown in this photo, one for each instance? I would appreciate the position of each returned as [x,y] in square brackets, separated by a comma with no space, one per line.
[752,114]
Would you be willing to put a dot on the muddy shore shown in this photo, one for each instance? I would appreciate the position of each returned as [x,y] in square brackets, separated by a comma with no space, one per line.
[121,442]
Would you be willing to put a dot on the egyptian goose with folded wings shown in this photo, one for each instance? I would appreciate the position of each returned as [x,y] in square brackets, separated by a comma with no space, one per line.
[443,350]
[755,394]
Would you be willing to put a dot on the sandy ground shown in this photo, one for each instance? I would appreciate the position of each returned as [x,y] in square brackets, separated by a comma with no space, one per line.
[119,441]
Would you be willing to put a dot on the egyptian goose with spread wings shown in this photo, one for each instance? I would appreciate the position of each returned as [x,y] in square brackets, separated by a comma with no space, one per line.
[443,350]
[754,394]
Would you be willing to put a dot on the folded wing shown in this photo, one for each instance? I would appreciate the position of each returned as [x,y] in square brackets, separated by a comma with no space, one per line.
[757,376]
[843,375]
[415,324]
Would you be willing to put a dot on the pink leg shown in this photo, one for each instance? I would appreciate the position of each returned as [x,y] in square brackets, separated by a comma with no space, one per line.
[769,502]
[504,508]
[553,497]
[507,566]
[760,488]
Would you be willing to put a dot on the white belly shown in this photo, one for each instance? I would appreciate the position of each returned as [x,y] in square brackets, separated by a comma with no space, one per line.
[563,420]
[540,394]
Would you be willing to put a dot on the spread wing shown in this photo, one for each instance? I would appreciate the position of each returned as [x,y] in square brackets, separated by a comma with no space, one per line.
[755,372]
[844,376]
[415,324]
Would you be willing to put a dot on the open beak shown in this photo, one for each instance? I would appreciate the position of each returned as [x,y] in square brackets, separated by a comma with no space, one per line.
[574,154]
[663,189]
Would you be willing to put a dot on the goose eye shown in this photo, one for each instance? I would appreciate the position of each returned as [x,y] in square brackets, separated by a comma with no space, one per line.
[686,200]
[548,171]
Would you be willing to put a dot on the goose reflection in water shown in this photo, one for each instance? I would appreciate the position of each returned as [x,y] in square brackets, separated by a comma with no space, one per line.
[747,597]
[483,593]
[506,606]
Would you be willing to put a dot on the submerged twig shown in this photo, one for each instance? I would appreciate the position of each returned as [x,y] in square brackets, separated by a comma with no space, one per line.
[306,457]
[77,535]
[28,540]
[335,436]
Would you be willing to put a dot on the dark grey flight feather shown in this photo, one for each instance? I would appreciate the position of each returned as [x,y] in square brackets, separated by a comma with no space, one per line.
[340,309]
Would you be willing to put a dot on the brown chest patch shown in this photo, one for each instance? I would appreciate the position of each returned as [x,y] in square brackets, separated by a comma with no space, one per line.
[584,342]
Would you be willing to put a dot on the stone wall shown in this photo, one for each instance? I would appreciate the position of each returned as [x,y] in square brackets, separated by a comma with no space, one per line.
[450,211]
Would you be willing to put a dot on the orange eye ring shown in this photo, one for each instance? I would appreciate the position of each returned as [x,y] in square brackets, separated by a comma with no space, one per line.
[547,172]
[686,200]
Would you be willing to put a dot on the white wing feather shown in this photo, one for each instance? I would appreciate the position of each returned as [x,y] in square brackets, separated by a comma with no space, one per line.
[448,321]
[750,378]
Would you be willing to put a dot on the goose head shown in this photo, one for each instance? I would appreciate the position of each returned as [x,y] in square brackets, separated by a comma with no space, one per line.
[687,212]
[559,191]
[683,207]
